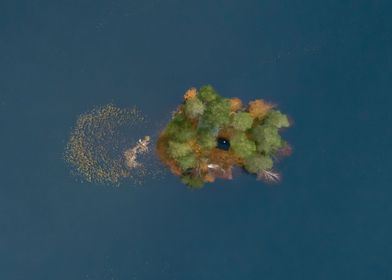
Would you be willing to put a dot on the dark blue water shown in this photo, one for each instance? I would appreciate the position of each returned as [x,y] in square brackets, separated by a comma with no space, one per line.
[328,64]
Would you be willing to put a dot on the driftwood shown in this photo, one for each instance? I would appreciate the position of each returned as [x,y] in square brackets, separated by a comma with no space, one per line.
[131,154]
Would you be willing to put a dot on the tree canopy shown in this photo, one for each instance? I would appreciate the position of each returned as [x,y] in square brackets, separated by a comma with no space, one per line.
[242,121]
[194,107]
[257,163]
[189,143]
[178,150]
[277,119]
[267,138]
[217,113]
[242,145]
[207,94]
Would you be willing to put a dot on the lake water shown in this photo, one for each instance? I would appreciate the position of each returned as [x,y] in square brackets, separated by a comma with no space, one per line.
[328,64]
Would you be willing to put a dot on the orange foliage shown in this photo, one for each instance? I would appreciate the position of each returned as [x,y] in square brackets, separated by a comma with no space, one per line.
[203,167]
[225,159]
[195,148]
[259,108]
[190,93]
[209,178]
[226,133]
[235,104]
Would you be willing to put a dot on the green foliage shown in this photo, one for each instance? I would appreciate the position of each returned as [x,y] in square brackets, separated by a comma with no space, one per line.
[192,181]
[179,150]
[207,94]
[194,108]
[206,139]
[175,124]
[242,121]
[277,119]
[267,138]
[184,134]
[188,161]
[217,114]
[257,163]
[242,146]
[180,129]
[262,132]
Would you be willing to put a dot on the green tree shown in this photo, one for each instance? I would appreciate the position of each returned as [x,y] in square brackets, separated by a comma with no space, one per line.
[277,119]
[207,94]
[193,182]
[194,108]
[206,139]
[262,132]
[184,134]
[217,113]
[178,150]
[180,129]
[186,162]
[242,146]
[267,138]
[242,121]
[258,163]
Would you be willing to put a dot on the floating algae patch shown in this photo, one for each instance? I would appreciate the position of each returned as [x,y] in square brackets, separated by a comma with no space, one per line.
[107,146]
[208,135]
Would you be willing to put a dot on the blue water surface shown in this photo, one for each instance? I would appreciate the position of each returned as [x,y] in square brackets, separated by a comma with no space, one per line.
[328,64]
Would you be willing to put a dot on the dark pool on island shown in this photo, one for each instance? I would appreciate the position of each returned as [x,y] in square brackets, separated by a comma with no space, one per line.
[223,144]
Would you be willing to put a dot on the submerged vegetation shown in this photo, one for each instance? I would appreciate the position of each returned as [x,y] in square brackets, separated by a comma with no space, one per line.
[208,135]
[103,146]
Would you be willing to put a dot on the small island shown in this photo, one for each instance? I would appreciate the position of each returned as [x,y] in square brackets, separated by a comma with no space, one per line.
[208,135]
